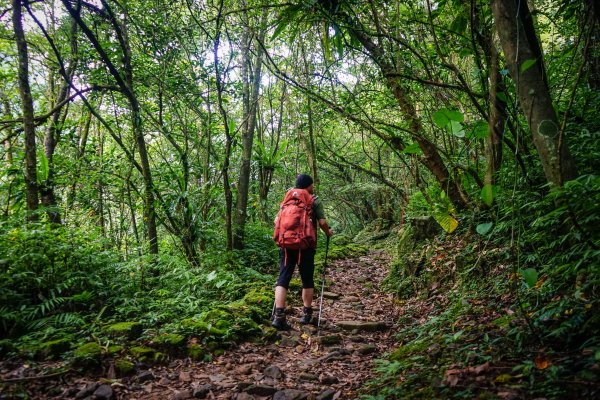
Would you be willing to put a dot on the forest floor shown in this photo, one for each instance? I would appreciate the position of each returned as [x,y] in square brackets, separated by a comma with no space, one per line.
[445,341]
[333,362]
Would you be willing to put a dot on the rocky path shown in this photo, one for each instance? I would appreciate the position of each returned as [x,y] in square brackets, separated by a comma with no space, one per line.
[305,363]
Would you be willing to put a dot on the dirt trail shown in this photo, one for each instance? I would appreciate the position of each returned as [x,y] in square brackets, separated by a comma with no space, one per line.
[303,364]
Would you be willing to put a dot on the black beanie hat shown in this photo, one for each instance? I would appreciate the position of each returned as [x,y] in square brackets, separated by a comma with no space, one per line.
[303,181]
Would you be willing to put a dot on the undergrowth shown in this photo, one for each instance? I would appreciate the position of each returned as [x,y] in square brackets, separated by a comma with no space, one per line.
[484,319]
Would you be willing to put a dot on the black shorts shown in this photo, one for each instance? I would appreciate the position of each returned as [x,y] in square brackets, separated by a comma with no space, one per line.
[306,265]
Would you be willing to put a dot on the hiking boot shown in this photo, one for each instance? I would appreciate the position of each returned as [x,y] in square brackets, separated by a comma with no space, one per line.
[307,317]
[279,322]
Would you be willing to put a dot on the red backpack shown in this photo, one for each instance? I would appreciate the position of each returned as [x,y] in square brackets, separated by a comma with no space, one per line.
[294,228]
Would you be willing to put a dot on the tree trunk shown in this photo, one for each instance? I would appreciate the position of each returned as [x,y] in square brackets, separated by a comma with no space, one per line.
[309,140]
[138,134]
[28,113]
[251,73]
[228,137]
[592,16]
[521,48]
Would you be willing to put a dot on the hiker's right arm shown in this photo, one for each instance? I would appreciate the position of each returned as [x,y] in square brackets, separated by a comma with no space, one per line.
[325,227]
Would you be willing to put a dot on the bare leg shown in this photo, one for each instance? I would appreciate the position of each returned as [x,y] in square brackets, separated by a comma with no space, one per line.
[280,293]
[307,297]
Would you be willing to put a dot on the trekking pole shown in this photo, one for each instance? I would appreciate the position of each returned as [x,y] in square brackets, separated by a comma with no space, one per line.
[323,283]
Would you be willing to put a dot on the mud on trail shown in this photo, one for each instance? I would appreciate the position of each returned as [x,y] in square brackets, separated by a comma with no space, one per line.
[357,324]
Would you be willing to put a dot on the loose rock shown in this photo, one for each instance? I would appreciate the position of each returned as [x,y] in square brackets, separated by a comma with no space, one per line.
[367,349]
[104,392]
[202,391]
[362,326]
[273,371]
[145,376]
[86,391]
[261,390]
[183,395]
[326,395]
[290,394]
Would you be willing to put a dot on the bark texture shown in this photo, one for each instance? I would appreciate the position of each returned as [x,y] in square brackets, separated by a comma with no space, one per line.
[521,48]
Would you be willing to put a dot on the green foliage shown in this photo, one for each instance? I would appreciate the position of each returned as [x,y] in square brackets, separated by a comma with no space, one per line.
[48,274]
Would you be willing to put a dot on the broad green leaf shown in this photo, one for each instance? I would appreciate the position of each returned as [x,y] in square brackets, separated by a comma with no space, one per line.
[502,97]
[527,64]
[530,276]
[484,228]
[339,44]
[446,221]
[44,171]
[457,129]
[232,126]
[479,131]
[412,148]
[442,117]
[288,16]
[211,276]
[487,194]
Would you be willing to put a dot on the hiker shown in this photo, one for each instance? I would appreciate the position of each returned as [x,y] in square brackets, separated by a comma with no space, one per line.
[296,235]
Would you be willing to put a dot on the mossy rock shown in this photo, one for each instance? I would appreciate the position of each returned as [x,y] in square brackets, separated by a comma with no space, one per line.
[260,302]
[142,353]
[115,349]
[160,357]
[169,340]
[123,366]
[196,352]
[54,348]
[218,352]
[129,330]
[87,356]
[219,318]
[406,244]
[201,328]
[269,333]
[7,347]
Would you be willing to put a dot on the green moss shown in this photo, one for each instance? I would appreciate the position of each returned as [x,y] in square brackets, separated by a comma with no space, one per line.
[130,330]
[408,350]
[142,353]
[114,349]
[160,357]
[218,318]
[6,347]
[54,348]
[269,333]
[219,352]
[169,340]
[124,367]
[87,356]
[196,352]
[200,328]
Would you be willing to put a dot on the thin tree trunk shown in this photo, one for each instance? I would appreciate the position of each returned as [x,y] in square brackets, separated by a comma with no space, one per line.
[228,137]
[28,113]
[431,157]
[252,79]
[126,85]
[309,140]
[521,48]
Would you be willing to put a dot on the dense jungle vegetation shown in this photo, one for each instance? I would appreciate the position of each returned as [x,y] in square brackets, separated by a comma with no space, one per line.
[146,146]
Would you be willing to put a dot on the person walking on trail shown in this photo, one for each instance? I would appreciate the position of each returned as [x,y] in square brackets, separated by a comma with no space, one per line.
[296,235]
